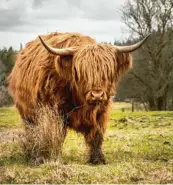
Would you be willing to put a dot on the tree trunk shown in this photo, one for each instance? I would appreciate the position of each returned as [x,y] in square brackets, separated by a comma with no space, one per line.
[152,104]
[161,103]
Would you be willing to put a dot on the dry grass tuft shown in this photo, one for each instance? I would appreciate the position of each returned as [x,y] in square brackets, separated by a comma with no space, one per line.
[43,141]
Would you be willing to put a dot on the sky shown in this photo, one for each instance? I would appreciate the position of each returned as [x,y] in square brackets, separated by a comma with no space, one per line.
[23,20]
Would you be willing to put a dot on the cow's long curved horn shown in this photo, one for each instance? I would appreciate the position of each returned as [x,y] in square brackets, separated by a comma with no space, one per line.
[56,51]
[127,49]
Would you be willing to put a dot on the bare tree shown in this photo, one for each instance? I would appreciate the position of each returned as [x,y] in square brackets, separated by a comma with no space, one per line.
[153,64]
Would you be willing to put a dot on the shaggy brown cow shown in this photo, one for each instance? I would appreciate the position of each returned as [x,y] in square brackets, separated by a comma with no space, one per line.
[78,74]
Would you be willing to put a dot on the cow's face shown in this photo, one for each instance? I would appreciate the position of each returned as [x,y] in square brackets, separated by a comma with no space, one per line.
[93,70]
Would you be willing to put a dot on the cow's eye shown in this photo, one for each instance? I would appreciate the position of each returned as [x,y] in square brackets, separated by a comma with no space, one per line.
[76,76]
[66,61]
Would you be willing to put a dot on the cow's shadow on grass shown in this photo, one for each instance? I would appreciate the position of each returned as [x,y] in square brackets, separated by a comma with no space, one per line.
[12,154]
[15,158]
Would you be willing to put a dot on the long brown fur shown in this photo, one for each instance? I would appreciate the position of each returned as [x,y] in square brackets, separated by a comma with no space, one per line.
[40,77]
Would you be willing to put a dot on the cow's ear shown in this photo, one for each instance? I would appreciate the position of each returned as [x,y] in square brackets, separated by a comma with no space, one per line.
[124,63]
[63,66]
[65,61]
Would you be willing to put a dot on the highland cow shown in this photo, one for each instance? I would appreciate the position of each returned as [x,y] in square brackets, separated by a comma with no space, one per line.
[77,74]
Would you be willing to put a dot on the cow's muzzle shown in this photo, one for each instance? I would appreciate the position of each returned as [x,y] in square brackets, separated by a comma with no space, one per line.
[96,96]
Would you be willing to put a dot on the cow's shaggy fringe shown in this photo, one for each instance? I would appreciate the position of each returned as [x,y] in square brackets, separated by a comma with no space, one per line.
[43,141]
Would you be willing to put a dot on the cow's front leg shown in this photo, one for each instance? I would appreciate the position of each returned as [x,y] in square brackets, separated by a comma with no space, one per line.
[94,143]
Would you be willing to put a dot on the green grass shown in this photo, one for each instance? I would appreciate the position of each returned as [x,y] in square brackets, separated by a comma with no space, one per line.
[9,118]
[138,147]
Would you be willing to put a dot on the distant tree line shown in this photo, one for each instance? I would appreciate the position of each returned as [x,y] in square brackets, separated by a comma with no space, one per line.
[151,79]
[7,59]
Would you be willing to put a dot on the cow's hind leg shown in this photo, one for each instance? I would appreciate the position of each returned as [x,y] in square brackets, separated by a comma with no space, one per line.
[94,143]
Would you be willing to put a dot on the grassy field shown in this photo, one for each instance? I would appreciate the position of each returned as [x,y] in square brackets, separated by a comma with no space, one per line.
[138,147]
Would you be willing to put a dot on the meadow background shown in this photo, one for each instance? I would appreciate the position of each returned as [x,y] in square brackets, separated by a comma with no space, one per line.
[138,147]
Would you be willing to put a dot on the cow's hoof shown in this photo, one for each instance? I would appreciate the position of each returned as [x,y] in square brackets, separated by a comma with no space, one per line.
[97,161]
